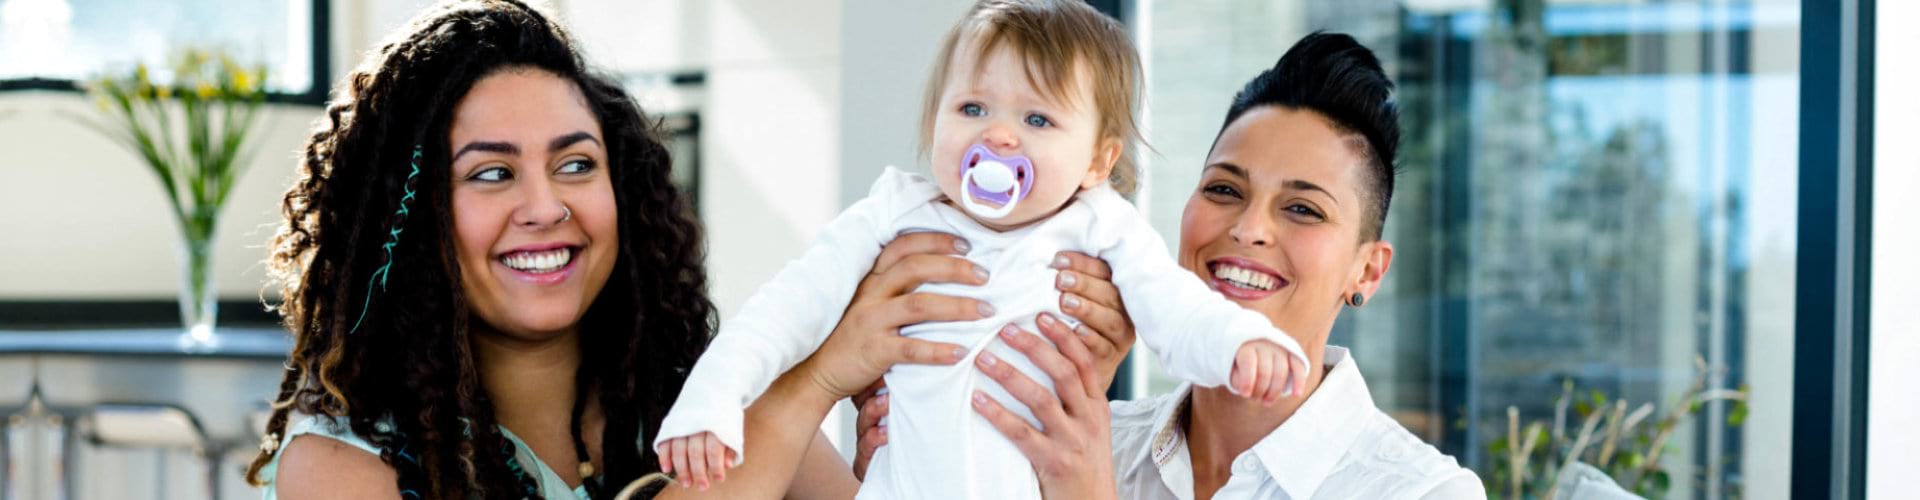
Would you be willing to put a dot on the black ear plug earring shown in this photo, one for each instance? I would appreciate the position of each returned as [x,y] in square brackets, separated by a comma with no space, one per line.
[1356,300]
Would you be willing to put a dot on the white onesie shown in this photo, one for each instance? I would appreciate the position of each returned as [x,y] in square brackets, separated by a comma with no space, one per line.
[937,446]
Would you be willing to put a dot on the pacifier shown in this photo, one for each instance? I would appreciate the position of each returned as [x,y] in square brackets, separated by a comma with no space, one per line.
[991,185]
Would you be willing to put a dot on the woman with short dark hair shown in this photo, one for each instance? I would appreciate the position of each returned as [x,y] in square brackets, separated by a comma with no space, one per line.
[1286,221]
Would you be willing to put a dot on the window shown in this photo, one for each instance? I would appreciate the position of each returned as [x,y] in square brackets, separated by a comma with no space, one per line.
[50,44]
[1595,193]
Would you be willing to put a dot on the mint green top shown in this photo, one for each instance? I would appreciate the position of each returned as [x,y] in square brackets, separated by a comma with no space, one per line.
[336,428]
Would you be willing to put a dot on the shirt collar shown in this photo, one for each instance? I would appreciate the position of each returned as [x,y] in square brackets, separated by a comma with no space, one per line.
[1167,437]
[1304,450]
[1301,452]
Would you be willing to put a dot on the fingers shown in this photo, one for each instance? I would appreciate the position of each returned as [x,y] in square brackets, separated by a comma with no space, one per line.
[1297,372]
[923,243]
[1264,385]
[871,413]
[1083,264]
[1053,329]
[1093,287]
[1044,403]
[717,462]
[1111,325]
[873,390]
[1077,353]
[1273,376]
[1038,399]
[1245,367]
[915,270]
[922,352]
[923,307]
[697,462]
[1029,440]
[678,448]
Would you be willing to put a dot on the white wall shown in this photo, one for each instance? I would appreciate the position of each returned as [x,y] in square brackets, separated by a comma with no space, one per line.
[890,47]
[1893,414]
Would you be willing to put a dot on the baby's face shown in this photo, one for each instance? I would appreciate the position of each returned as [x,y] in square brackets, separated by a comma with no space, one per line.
[993,105]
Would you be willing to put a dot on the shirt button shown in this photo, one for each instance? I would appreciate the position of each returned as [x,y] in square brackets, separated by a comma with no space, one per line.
[1245,465]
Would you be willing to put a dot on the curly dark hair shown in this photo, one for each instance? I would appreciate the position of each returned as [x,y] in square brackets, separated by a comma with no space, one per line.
[407,378]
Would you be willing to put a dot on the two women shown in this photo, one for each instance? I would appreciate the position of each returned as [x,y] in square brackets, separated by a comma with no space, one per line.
[495,291]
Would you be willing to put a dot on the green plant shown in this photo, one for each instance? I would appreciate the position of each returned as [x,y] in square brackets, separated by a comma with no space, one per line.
[1610,437]
[192,132]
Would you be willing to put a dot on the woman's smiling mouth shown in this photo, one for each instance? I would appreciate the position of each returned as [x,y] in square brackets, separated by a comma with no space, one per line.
[540,264]
[1243,279]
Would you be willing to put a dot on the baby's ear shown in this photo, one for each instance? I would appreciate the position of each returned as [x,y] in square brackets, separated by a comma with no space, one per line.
[1105,155]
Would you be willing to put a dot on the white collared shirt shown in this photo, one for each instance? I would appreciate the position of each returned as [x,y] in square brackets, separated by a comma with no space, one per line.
[1337,445]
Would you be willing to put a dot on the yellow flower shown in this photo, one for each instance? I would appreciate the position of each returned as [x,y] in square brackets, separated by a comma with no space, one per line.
[206,90]
[243,82]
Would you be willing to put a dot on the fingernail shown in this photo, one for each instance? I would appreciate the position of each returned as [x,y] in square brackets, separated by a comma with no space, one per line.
[980,272]
[959,353]
[986,310]
[1060,261]
[1008,331]
[880,400]
[987,358]
[979,398]
[883,391]
[1067,280]
[960,245]
[1045,319]
[1071,302]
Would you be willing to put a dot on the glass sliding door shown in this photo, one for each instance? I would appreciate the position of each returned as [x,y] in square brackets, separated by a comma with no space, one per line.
[1596,213]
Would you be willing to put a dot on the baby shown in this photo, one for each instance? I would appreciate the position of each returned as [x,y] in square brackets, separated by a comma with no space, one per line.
[1029,114]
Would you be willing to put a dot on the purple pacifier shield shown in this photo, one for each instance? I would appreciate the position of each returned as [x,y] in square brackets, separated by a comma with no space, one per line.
[1022,168]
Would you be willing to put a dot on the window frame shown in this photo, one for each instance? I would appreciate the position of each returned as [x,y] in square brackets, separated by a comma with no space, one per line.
[1835,242]
[315,95]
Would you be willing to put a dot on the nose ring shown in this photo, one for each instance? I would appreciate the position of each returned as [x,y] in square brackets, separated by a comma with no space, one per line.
[568,216]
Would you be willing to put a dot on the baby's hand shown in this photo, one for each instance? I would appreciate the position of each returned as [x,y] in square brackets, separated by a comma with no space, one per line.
[1264,372]
[700,460]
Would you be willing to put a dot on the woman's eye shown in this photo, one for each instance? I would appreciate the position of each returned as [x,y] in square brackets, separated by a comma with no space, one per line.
[1038,121]
[1220,189]
[495,174]
[973,109]
[577,167]
[1303,210]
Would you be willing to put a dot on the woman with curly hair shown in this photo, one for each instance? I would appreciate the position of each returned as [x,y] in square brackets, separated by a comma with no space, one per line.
[493,289]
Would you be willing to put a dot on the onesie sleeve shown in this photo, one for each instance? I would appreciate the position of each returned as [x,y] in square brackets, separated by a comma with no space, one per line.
[787,318]
[1192,329]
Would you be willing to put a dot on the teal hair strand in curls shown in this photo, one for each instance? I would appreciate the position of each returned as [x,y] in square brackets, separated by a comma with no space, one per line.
[393,239]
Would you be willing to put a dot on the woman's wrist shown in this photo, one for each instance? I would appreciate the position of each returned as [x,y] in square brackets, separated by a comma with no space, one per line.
[806,389]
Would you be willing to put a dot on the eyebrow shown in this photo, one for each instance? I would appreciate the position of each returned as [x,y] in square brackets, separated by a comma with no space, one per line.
[1237,171]
[508,148]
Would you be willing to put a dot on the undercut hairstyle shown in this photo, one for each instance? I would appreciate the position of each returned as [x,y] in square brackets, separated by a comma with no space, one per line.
[1334,76]
[1053,37]
[407,379]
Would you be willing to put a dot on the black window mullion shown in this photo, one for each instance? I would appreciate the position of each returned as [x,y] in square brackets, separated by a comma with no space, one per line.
[1834,240]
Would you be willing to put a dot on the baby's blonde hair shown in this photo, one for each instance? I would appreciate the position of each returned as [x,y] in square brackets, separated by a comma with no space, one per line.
[1051,36]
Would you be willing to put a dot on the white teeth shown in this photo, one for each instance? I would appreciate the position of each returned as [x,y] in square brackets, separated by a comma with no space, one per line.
[1244,278]
[539,262]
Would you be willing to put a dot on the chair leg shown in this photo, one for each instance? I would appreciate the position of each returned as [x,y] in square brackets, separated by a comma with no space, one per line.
[214,459]
[6,459]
